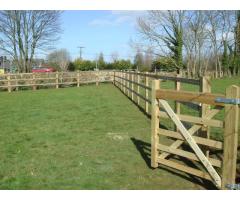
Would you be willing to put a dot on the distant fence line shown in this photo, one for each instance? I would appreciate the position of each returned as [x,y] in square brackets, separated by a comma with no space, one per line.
[17,81]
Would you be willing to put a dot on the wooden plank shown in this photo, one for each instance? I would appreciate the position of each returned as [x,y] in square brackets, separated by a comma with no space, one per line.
[184,168]
[205,87]
[34,82]
[170,78]
[57,76]
[192,143]
[141,96]
[128,84]
[132,86]
[136,83]
[196,120]
[154,124]
[114,77]
[9,83]
[187,154]
[138,89]
[203,141]
[146,93]
[186,96]
[78,79]
[230,137]
[177,104]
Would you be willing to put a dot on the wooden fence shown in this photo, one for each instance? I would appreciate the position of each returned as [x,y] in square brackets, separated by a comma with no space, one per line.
[12,82]
[137,86]
[190,138]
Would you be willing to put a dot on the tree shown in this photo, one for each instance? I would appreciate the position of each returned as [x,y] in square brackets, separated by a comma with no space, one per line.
[237,44]
[83,65]
[148,59]
[165,29]
[101,62]
[163,64]
[59,58]
[122,64]
[114,56]
[22,33]
[138,60]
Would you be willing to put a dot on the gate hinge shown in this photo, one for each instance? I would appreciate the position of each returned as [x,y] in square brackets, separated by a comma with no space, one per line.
[227,101]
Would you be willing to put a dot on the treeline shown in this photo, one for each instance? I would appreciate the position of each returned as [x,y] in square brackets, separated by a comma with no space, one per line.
[60,60]
[198,41]
[86,65]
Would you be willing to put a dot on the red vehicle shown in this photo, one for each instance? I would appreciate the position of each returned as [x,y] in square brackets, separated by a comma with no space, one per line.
[43,69]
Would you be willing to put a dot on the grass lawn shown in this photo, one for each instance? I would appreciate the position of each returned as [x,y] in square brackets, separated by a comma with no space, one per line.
[80,138]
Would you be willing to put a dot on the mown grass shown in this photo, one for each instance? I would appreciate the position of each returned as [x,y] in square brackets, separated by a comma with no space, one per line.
[81,138]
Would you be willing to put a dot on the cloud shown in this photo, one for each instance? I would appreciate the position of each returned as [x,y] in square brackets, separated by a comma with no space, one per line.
[116,18]
[101,22]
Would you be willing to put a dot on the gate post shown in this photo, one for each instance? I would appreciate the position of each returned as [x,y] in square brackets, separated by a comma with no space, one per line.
[154,125]
[230,145]
[205,87]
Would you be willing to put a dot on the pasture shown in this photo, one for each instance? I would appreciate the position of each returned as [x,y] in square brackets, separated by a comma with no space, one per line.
[82,138]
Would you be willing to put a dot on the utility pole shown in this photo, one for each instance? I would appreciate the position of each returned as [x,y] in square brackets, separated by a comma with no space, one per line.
[80,51]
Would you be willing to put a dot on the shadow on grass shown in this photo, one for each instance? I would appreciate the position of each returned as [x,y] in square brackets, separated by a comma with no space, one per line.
[144,149]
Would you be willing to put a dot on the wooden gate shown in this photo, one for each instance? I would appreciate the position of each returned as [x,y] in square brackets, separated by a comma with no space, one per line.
[194,143]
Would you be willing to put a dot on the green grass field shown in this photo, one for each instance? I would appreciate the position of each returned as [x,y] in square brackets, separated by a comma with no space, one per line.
[81,138]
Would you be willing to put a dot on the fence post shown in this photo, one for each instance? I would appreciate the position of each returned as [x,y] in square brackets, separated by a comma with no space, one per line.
[138,89]
[16,82]
[57,80]
[231,123]
[146,91]
[205,87]
[78,78]
[97,78]
[128,84]
[9,83]
[113,77]
[121,75]
[154,124]
[177,88]
[124,82]
[34,81]
[132,85]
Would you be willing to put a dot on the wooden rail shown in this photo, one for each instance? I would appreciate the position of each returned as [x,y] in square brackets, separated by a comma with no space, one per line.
[185,96]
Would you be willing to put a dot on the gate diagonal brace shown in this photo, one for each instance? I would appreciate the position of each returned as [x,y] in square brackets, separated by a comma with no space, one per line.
[188,137]
[191,130]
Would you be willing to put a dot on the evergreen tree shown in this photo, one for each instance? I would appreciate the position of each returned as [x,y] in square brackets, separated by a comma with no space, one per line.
[101,62]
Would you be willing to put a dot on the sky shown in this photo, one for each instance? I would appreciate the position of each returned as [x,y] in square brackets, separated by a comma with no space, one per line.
[99,31]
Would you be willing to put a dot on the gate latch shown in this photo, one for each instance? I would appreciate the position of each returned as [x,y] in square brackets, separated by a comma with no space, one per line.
[227,101]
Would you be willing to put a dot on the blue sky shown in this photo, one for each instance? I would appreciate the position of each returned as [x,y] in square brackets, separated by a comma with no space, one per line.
[99,31]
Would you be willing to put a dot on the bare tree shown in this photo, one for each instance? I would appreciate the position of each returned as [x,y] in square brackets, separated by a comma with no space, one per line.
[165,28]
[61,58]
[22,33]
[194,40]
[114,56]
